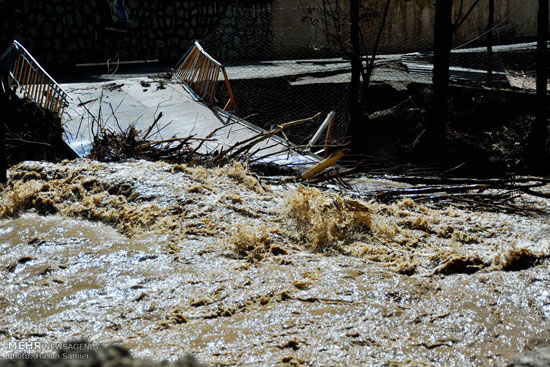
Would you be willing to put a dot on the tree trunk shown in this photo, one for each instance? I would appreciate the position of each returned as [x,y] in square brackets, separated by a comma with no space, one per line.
[370,64]
[355,129]
[429,144]
[440,77]
[539,130]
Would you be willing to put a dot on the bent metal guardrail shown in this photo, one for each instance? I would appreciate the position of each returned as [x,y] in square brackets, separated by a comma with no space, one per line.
[200,72]
[32,80]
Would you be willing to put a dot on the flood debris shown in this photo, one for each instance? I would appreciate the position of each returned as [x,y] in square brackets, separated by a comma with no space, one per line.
[323,165]
[114,144]
[246,149]
[497,194]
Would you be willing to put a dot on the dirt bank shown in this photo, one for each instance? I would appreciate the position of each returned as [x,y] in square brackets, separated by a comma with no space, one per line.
[31,132]
[169,259]
[486,131]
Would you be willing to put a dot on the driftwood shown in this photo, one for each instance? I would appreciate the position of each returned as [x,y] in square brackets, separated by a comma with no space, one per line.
[487,194]
[323,165]
[335,175]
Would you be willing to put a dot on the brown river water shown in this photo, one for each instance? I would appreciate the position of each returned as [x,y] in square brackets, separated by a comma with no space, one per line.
[168,260]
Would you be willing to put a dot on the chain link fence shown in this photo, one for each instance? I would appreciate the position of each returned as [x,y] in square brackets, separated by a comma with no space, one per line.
[289,60]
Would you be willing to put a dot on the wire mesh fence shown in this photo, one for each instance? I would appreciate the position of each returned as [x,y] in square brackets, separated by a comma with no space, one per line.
[288,60]
[284,66]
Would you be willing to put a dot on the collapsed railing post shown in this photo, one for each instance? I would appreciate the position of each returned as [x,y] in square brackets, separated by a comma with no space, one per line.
[329,135]
[317,135]
[231,100]
[200,74]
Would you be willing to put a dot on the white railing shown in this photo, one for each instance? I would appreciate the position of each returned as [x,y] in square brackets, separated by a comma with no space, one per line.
[201,72]
[33,82]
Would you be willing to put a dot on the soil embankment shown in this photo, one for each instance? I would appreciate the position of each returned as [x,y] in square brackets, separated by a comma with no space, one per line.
[31,132]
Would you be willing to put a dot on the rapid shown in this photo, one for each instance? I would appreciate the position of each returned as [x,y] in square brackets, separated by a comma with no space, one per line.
[168,259]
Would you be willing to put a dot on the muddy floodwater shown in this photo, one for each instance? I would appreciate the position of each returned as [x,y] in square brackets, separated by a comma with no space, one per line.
[168,260]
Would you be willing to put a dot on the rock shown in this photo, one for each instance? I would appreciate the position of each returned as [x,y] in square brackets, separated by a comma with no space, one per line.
[536,358]
[92,357]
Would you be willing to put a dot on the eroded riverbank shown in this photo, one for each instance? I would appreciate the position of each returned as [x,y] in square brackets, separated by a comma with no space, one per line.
[169,259]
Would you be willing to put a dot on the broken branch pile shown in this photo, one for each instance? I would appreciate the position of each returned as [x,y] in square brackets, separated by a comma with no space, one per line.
[486,194]
[110,145]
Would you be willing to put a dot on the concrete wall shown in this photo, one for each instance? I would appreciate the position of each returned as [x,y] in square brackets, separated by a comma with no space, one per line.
[409,26]
[246,33]
[299,26]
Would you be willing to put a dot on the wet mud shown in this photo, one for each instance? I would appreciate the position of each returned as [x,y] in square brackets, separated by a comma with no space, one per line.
[167,260]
